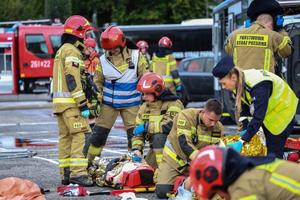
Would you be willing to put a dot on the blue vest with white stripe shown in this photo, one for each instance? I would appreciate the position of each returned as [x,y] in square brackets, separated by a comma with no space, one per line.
[119,89]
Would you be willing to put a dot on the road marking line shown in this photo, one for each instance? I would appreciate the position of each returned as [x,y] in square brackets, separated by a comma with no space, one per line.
[46,159]
[36,123]
[33,132]
[29,124]
[112,151]
[119,137]
[8,124]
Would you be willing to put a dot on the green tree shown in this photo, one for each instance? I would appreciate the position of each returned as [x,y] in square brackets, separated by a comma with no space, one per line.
[61,9]
[21,9]
[143,11]
[107,11]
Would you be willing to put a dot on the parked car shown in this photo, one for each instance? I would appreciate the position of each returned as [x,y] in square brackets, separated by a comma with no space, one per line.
[196,76]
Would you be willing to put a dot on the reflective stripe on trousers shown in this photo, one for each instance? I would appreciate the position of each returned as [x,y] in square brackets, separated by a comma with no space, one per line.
[168,149]
[73,162]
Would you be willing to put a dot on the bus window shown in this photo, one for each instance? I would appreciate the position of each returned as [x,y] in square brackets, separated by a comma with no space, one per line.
[36,44]
[55,42]
[188,40]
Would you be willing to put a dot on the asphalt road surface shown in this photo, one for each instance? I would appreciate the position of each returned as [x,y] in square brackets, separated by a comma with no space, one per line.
[40,125]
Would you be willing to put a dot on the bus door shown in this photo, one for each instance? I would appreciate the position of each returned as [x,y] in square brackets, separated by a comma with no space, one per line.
[6,69]
[293,65]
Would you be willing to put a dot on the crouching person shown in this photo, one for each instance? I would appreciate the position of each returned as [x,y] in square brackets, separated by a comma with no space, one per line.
[155,117]
[223,171]
[193,129]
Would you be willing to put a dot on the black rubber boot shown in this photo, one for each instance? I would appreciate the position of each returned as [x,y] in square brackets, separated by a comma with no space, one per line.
[83,180]
[66,180]
[129,137]
[87,144]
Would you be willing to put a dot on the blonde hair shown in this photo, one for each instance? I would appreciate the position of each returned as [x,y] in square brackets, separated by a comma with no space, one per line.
[239,90]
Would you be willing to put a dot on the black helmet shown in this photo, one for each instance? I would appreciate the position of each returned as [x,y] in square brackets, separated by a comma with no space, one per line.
[258,7]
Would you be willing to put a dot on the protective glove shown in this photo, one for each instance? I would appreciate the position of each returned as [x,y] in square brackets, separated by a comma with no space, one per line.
[238,145]
[243,132]
[95,108]
[85,113]
[178,88]
[138,130]
[136,155]
[183,194]
[279,22]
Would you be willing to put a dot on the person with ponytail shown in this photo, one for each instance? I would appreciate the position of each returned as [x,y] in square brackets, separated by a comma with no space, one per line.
[265,97]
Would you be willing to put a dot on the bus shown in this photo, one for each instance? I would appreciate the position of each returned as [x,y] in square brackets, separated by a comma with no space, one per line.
[191,38]
[231,15]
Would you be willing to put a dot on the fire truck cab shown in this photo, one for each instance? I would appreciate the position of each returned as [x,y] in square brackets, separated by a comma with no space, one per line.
[26,57]
[37,45]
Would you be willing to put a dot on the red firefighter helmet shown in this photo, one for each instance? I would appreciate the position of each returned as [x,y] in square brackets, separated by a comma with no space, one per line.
[142,44]
[77,25]
[112,37]
[151,83]
[90,42]
[206,170]
[165,42]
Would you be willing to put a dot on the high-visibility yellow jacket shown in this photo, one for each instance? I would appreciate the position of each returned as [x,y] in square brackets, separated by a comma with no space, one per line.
[255,47]
[282,103]
[164,66]
[67,88]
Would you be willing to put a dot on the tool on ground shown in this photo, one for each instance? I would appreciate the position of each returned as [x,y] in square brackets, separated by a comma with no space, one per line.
[75,190]
[12,142]
[16,153]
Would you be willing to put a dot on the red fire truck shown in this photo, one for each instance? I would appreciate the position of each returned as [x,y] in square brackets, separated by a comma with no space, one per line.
[26,56]
[27,53]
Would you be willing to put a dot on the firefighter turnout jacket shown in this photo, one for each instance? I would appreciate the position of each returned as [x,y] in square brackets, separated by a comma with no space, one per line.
[159,117]
[117,76]
[167,68]
[276,180]
[188,135]
[67,88]
[256,47]
[91,63]
[68,99]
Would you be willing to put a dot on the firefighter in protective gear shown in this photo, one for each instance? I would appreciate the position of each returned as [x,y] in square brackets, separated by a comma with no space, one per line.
[223,171]
[258,46]
[92,60]
[193,129]
[70,103]
[164,64]
[155,117]
[116,78]
[90,64]
[274,111]
[143,47]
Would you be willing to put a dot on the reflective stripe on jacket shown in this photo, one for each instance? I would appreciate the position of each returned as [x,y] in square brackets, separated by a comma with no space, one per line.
[119,88]
[67,63]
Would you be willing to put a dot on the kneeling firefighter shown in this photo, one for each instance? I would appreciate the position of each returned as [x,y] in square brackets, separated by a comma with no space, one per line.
[193,129]
[223,171]
[155,117]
